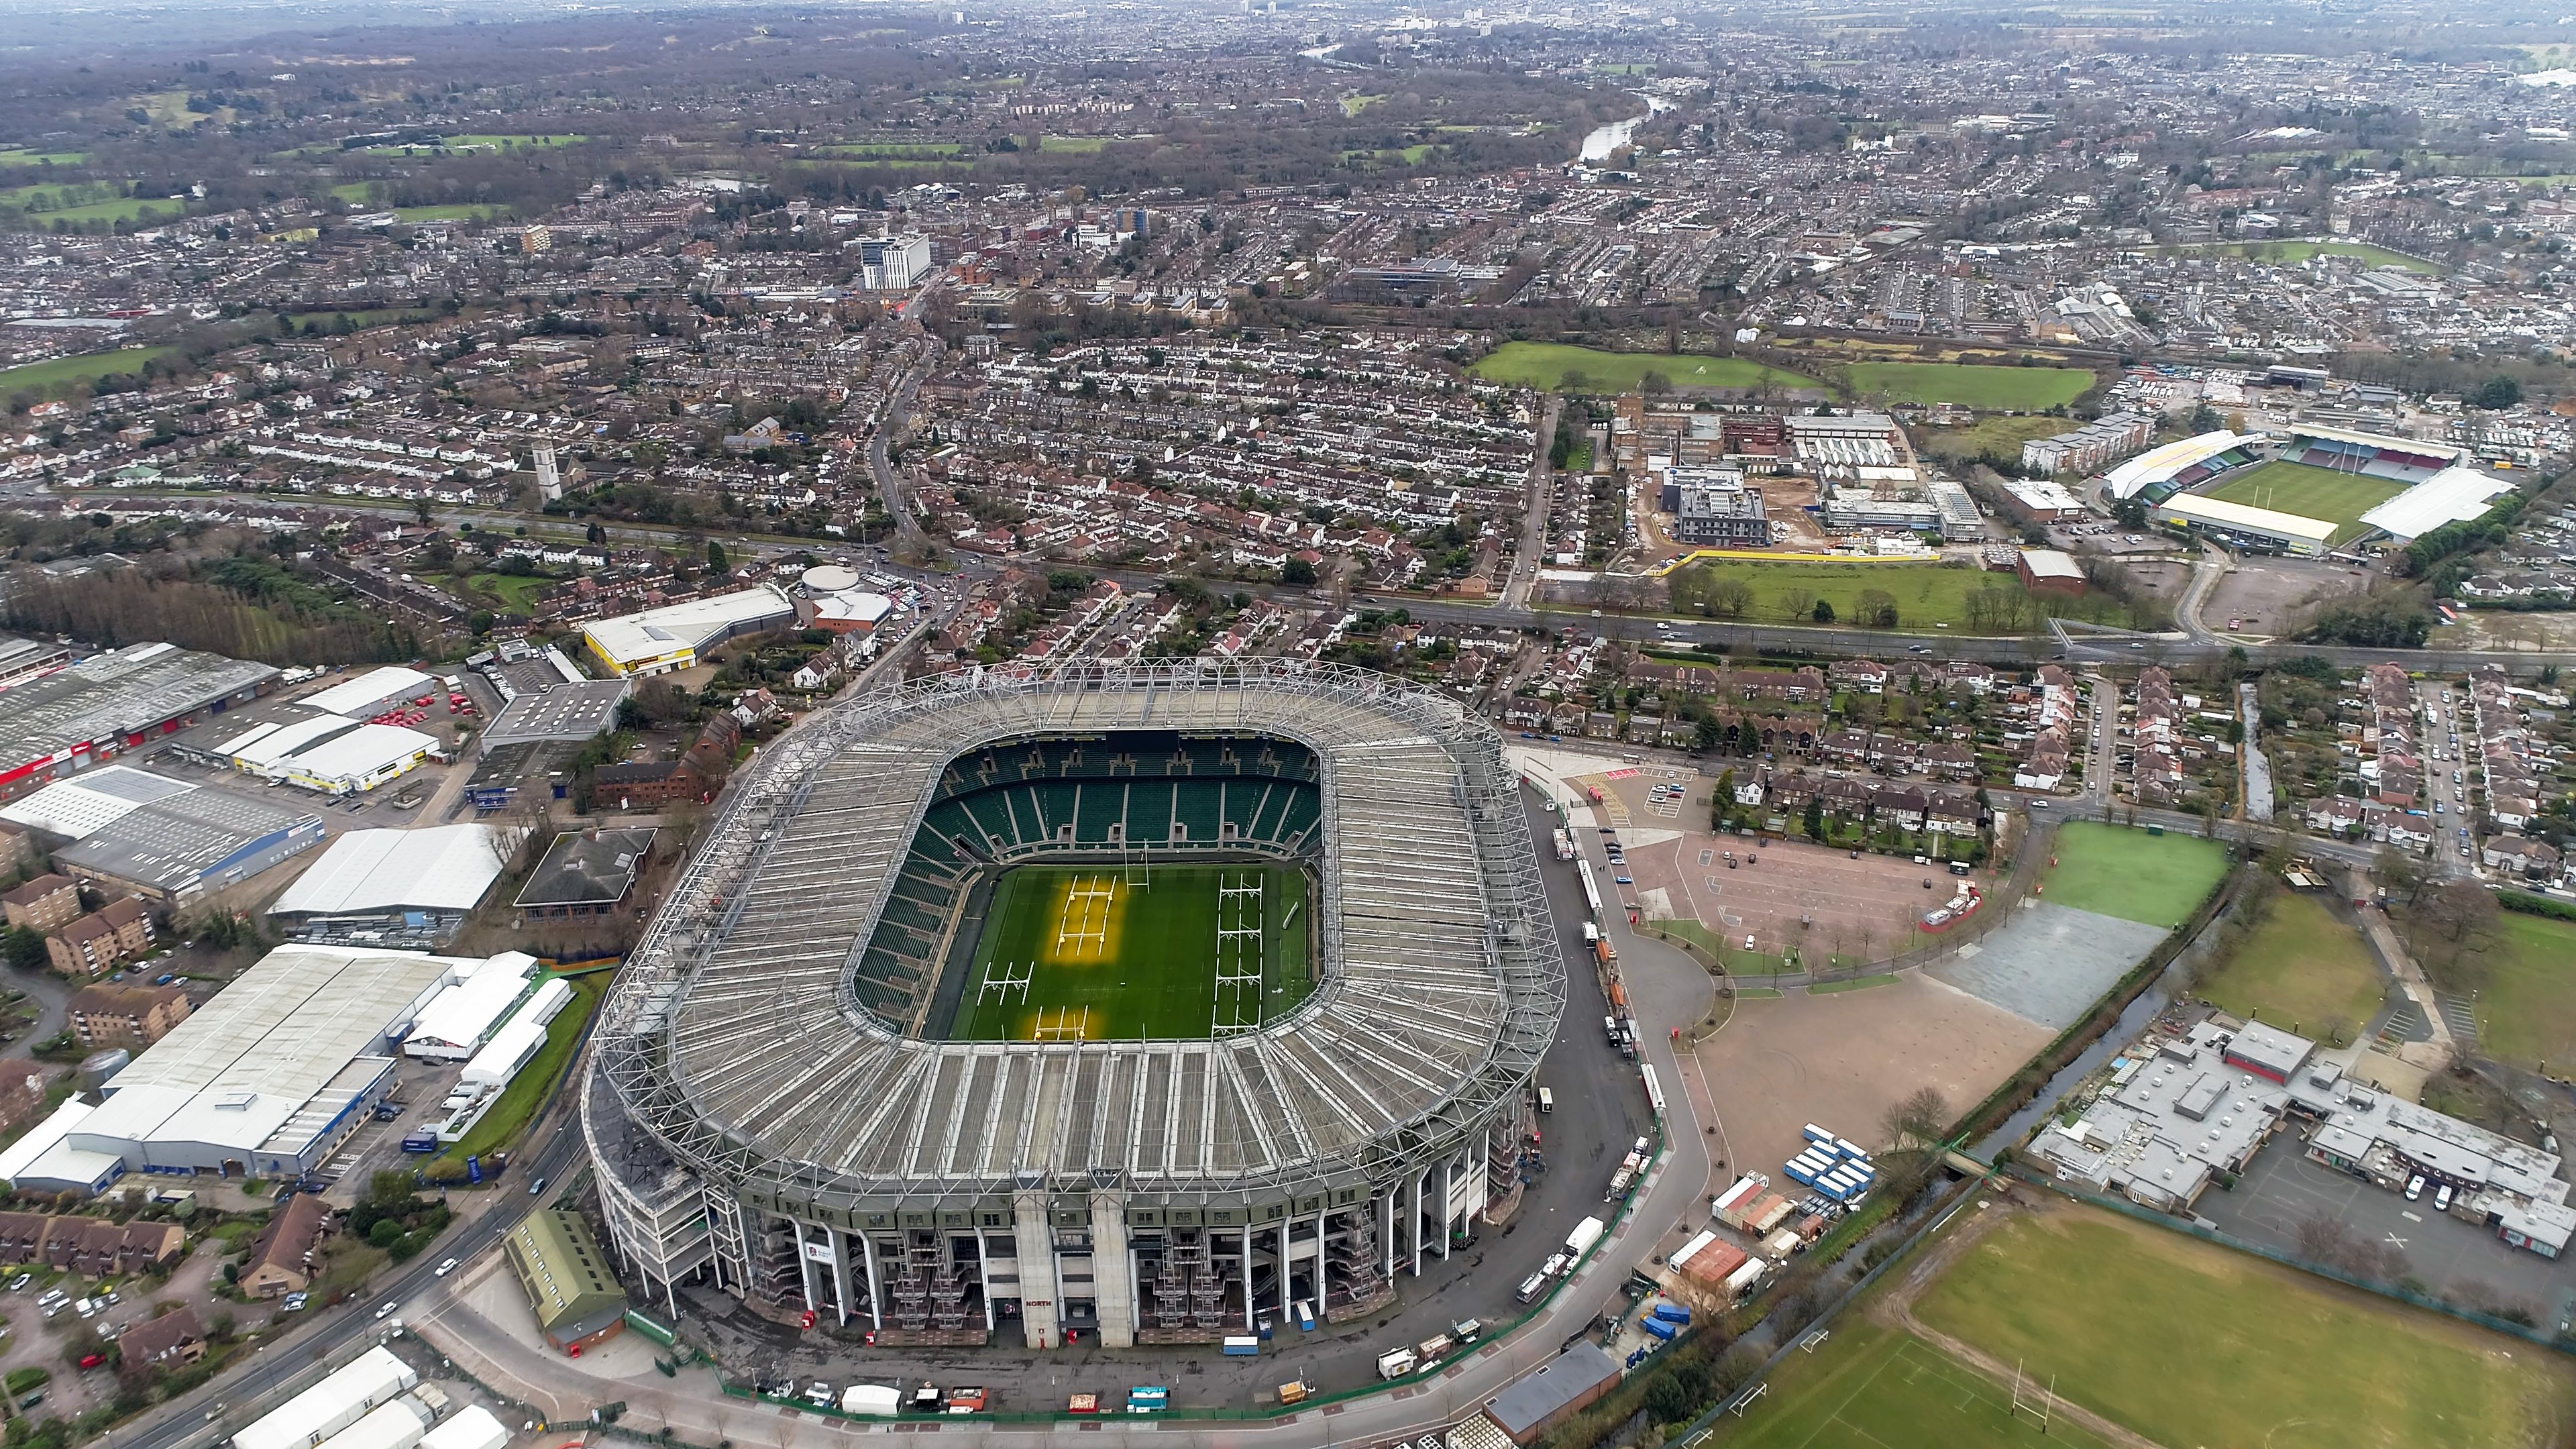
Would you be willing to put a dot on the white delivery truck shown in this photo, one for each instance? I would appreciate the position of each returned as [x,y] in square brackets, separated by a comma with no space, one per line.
[879,1399]
[1585,1234]
[1395,1364]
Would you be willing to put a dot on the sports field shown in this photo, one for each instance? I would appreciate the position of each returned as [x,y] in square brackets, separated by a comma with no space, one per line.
[1186,952]
[61,372]
[2338,498]
[2191,1344]
[2527,1009]
[1869,1385]
[2302,969]
[1926,595]
[2157,880]
[1971,384]
[1549,364]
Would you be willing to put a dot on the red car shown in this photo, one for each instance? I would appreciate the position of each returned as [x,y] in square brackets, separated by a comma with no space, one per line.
[92,1360]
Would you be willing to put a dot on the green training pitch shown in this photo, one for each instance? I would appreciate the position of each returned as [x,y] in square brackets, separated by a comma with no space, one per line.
[2338,498]
[62,372]
[1971,384]
[2527,1010]
[1869,1385]
[1927,595]
[1589,370]
[2156,880]
[2302,969]
[1084,953]
[2191,1344]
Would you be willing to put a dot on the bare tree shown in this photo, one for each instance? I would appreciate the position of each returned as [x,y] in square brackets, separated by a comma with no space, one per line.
[1917,1122]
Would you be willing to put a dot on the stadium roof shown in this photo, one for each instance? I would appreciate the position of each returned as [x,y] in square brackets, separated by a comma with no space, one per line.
[440,868]
[2454,495]
[2443,452]
[88,802]
[2155,465]
[2240,515]
[738,1042]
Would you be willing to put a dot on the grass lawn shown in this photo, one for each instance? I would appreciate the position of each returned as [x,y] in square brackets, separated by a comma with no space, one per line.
[2527,1010]
[23,157]
[2191,1344]
[454,211]
[2300,969]
[1872,1385]
[1075,144]
[2156,880]
[1545,364]
[2003,435]
[889,148]
[1971,384]
[1088,955]
[516,592]
[362,318]
[62,372]
[2309,492]
[1925,594]
[2300,251]
[532,1088]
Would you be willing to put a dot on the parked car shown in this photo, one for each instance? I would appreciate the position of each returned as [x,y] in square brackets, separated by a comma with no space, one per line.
[2442,1198]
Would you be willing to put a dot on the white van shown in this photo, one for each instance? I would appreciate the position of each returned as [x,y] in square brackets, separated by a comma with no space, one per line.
[1546,1101]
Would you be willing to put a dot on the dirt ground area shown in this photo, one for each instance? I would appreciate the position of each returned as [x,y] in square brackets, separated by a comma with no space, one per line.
[1840,1060]
[2262,594]
[2504,629]
[2163,577]
[1783,894]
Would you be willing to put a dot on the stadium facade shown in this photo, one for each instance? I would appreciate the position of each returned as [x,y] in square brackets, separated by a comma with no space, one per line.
[767,1111]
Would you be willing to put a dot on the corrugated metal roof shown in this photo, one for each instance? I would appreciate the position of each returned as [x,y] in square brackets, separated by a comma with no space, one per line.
[443,867]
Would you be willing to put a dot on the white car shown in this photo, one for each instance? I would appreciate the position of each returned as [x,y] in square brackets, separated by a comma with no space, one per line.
[2442,1198]
[446,1268]
[387,1310]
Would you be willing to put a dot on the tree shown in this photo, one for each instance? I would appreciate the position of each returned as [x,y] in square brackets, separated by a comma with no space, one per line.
[594,534]
[1815,821]
[389,1189]
[2496,393]
[26,949]
[716,558]
[1877,609]
[1823,613]
[1917,1122]
[1730,597]
[1653,383]
[1297,574]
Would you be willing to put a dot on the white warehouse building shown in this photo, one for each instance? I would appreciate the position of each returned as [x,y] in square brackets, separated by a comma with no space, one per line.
[270,1077]
[458,1021]
[517,1041]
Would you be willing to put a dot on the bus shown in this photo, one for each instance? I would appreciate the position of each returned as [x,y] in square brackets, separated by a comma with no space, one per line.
[1148,1400]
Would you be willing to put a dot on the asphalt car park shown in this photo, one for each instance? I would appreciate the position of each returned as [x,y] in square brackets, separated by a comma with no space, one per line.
[2284,1187]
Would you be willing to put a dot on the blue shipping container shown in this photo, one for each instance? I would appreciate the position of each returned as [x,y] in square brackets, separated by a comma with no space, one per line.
[1656,1328]
[1672,1313]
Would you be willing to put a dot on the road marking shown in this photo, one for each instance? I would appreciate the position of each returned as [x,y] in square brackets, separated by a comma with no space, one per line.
[2410,1217]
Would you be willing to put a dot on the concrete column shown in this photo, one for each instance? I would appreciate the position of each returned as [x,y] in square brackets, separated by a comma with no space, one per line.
[1413,1230]
[1283,1269]
[1113,1270]
[1448,1205]
[1386,1234]
[984,1275]
[1040,1316]
[804,1267]
[840,1242]
[1319,1265]
[1247,1280]
[876,1289]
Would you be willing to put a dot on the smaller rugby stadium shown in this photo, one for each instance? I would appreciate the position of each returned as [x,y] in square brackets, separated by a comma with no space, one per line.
[2320,490]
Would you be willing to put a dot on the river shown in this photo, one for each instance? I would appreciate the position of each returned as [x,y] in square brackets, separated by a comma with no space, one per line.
[1606,139]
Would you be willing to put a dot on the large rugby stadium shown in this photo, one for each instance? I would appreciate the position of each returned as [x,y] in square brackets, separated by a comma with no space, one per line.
[1133,1001]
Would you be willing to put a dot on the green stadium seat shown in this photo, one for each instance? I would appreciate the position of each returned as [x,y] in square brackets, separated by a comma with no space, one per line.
[1195,808]
[1149,811]
[1098,806]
